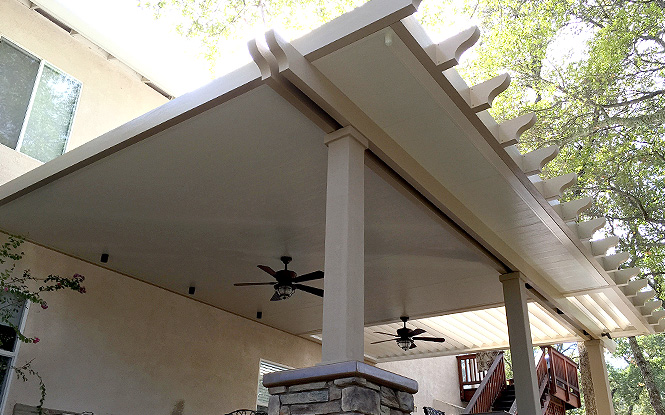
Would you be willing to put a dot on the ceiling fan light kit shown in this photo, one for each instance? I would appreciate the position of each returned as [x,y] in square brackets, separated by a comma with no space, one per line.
[284,291]
[405,344]
[287,281]
[406,337]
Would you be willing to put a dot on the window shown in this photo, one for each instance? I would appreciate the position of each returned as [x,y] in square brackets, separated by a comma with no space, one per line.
[15,311]
[37,104]
[263,395]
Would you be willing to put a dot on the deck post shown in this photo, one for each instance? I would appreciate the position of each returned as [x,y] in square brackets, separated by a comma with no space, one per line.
[521,348]
[343,303]
[600,385]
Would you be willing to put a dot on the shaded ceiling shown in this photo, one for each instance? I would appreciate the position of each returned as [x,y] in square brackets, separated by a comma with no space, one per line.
[206,200]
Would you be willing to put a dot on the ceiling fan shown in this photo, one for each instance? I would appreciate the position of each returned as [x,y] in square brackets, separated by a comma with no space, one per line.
[405,336]
[287,281]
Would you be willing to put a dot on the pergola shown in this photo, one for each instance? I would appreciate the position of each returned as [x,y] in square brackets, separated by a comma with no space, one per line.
[357,149]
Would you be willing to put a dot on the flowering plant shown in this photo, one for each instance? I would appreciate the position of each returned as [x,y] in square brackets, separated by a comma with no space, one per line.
[17,289]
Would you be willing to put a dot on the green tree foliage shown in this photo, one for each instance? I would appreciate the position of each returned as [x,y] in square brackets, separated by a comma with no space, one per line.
[594,73]
[628,386]
[212,21]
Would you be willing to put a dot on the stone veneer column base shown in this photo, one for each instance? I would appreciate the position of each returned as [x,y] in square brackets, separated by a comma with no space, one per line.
[340,388]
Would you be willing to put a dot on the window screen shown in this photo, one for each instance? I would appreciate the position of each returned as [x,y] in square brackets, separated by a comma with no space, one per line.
[18,72]
[37,104]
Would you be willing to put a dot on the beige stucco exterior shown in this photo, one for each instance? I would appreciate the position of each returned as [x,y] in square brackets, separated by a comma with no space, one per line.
[438,386]
[126,347]
[13,164]
[110,96]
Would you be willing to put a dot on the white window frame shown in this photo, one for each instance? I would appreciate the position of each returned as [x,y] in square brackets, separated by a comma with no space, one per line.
[6,383]
[279,366]
[33,94]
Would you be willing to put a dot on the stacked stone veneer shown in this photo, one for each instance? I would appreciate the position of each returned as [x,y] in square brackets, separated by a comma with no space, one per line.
[346,395]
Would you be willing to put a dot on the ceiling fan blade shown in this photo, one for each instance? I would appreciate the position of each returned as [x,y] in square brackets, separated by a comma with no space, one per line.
[413,346]
[387,334]
[275,297]
[416,332]
[243,284]
[430,339]
[383,341]
[308,289]
[316,275]
[267,269]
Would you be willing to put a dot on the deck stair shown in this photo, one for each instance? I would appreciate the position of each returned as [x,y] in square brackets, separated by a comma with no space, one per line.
[490,393]
[505,400]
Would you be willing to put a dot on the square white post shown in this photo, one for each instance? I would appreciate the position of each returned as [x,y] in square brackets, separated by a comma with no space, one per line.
[521,348]
[600,384]
[344,285]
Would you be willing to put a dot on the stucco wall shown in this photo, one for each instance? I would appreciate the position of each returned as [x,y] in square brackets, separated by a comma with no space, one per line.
[13,163]
[110,95]
[126,347]
[438,384]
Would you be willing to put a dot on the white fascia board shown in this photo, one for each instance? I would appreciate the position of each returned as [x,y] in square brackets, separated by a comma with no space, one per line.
[353,26]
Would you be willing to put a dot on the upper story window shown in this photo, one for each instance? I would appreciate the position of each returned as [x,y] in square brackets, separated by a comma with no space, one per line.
[37,104]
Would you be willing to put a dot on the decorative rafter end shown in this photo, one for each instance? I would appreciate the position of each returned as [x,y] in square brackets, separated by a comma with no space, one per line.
[553,188]
[623,276]
[612,262]
[633,287]
[448,53]
[585,230]
[648,308]
[510,131]
[480,96]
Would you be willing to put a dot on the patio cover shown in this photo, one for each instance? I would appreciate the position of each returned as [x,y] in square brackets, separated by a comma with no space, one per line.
[206,187]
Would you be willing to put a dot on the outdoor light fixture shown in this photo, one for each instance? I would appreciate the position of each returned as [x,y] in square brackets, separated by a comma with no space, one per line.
[405,344]
[284,291]
[192,290]
[105,258]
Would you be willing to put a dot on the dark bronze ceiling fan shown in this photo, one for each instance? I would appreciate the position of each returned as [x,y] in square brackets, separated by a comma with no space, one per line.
[287,281]
[406,337]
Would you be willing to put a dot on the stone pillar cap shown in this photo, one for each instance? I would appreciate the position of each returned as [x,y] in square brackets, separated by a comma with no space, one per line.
[337,371]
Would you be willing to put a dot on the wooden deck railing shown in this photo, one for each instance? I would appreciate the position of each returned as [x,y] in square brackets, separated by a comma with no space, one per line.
[564,381]
[493,383]
[469,376]
[556,373]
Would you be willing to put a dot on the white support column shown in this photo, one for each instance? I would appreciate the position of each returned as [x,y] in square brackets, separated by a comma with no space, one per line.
[344,303]
[599,379]
[521,348]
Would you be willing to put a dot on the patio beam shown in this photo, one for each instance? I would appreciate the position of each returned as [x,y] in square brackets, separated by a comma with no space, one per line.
[521,348]
[344,285]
